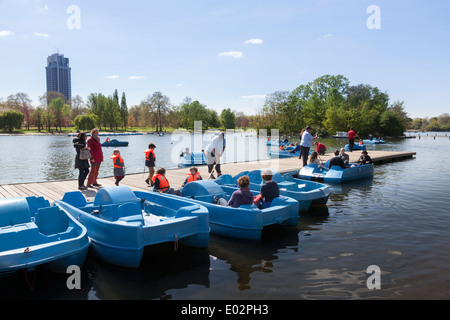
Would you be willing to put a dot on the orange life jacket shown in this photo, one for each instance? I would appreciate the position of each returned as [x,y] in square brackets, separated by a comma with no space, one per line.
[163,182]
[147,154]
[114,158]
[193,177]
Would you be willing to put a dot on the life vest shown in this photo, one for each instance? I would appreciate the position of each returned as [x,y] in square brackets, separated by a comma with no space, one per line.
[147,154]
[114,158]
[163,182]
[193,177]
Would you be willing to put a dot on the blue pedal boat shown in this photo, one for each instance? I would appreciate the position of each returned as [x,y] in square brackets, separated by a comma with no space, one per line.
[305,192]
[374,141]
[356,147]
[115,143]
[121,222]
[245,222]
[33,233]
[193,159]
[336,174]
[285,153]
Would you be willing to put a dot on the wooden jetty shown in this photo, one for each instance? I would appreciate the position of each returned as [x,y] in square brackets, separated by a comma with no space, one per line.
[54,190]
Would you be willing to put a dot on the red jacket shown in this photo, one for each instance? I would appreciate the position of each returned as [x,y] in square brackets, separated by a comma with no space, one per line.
[320,146]
[96,149]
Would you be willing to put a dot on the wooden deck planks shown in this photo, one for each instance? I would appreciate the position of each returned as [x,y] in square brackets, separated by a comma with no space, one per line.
[55,190]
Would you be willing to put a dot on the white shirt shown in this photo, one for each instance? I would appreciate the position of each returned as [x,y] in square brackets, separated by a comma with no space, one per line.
[216,143]
[307,139]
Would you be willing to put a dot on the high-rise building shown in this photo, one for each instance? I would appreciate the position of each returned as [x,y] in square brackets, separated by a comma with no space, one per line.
[58,75]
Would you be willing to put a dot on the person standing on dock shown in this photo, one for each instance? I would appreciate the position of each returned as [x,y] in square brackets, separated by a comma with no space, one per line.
[214,152]
[306,144]
[351,139]
[79,143]
[150,159]
[119,166]
[97,158]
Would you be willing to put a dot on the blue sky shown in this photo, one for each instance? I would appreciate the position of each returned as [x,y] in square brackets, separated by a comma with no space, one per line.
[229,54]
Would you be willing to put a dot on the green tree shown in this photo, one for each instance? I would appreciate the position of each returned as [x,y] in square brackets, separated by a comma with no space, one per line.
[11,119]
[391,124]
[38,117]
[228,119]
[124,111]
[86,122]
[60,109]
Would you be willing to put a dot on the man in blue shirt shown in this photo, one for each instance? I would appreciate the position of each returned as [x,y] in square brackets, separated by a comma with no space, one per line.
[306,144]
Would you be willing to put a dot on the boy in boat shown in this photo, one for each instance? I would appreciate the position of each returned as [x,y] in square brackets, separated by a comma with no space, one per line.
[193,175]
[243,195]
[269,190]
[161,184]
[119,166]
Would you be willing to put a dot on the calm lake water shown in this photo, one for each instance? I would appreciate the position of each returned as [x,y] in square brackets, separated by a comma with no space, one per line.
[399,221]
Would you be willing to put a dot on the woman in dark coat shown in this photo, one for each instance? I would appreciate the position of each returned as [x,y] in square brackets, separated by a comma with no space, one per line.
[79,143]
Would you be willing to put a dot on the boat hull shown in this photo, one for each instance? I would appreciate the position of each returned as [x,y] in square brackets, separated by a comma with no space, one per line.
[121,223]
[245,222]
[39,235]
[305,192]
[336,174]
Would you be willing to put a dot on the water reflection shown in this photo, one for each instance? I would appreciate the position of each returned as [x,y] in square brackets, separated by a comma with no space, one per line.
[246,257]
[161,270]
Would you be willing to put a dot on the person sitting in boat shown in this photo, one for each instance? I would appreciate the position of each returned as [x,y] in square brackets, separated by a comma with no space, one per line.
[336,161]
[161,184]
[361,142]
[243,195]
[344,156]
[193,175]
[364,158]
[108,140]
[320,148]
[314,159]
[186,152]
[296,149]
[269,190]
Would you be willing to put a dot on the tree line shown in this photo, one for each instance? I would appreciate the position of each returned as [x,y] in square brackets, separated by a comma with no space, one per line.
[328,104]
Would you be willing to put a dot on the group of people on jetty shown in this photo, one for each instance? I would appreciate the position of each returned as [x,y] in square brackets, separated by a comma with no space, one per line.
[89,156]
[88,166]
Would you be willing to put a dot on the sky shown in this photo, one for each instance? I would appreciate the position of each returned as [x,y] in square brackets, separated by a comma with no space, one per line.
[229,54]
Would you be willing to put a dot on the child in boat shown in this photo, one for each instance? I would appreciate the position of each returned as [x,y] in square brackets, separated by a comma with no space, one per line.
[344,156]
[150,159]
[364,158]
[193,175]
[243,195]
[119,166]
[161,184]
[314,159]
[269,190]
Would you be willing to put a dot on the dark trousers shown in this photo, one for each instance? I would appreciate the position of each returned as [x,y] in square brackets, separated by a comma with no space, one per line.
[351,143]
[304,153]
[82,174]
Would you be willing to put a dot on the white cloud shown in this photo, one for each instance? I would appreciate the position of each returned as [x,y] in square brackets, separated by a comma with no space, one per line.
[256,98]
[136,77]
[39,34]
[179,85]
[112,77]
[254,41]
[232,54]
[5,33]
[327,36]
